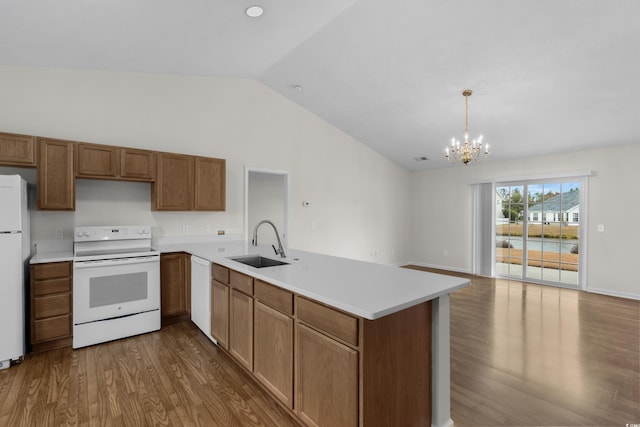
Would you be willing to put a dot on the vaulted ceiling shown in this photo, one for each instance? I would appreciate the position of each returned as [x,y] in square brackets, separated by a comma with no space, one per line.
[548,76]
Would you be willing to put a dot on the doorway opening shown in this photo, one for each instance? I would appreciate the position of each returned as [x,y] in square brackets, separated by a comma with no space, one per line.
[266,197]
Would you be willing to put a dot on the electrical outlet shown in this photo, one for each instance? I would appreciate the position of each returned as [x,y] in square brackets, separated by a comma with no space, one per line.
[59,233]
[207,228]
[185,228]
[445,252]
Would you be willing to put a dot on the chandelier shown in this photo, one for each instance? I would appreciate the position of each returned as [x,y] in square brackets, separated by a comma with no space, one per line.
[468,151]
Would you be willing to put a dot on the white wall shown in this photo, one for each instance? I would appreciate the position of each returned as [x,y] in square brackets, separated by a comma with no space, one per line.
[360,199]
[266,201]
[441,208]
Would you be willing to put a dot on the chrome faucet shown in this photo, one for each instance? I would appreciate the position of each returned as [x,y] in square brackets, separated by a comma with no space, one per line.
[254,242]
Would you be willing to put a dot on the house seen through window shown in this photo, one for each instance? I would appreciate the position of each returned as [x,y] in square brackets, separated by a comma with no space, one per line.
[538,231]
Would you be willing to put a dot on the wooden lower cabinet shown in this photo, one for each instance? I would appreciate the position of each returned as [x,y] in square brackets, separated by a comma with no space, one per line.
[326,367]
[51,306]
[175,279]
[273,352]
[220,313]
[241,328]
[326,380]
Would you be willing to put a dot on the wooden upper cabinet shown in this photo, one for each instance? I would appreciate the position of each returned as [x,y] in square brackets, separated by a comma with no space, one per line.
[137,165]
[56,177]
[188,183]
[17,150]
[173,188]
[96,161]
[117,163]
[210,184]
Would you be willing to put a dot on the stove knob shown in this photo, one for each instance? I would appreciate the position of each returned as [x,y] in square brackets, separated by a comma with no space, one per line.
[78,233]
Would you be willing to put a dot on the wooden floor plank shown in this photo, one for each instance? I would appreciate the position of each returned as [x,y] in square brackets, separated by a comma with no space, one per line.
[521,355]
[525,354]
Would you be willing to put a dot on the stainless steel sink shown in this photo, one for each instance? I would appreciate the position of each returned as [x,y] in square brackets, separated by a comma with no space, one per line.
[258,261]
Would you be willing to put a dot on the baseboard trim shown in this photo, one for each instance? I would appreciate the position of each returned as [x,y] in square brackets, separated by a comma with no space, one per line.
[613,293]
[447,423]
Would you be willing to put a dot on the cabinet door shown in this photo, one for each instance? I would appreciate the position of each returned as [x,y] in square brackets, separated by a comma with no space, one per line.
[220,313]
[137,165]
[56,178]
[96,161]
[241,328]
[326,380]
[17,150]
[173,289]
[173,188]
[210,184]
[273,352]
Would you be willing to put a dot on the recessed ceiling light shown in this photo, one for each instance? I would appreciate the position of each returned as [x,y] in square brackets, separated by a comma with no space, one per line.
[254,11]
[299,88]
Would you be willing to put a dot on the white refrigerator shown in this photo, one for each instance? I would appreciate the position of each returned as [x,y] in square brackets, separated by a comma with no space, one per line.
[15,249]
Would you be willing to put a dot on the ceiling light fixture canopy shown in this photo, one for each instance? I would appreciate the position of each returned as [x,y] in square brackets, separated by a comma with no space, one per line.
[254,11]
[468,151]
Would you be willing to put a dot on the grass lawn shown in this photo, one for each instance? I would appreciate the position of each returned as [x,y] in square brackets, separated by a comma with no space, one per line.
[539,230]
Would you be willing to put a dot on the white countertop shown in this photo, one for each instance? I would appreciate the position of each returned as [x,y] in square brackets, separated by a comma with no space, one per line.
[55,256]
[361,288]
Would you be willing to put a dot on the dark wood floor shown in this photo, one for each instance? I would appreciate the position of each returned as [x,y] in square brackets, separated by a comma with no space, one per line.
[531,355]
[521,355]
[174,377]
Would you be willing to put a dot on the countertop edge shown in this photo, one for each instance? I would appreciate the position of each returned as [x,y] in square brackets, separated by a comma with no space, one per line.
[221,257]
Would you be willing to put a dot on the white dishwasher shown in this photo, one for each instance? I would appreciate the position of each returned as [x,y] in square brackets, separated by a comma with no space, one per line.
[201,294]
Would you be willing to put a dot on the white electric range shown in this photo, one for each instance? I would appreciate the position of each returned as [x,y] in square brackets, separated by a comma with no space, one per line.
[116,283]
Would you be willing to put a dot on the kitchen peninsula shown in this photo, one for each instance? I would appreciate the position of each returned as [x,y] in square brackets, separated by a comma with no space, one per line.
[334,341]
[373,338]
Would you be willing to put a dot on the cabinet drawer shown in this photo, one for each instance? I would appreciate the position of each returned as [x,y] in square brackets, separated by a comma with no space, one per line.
[51,270]
[220,273]
[49,306]
[333,322]
[54,327]
[53,286]
[273,296]
[241,282]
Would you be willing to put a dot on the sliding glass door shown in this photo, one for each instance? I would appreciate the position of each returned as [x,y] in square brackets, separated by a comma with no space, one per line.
[538,231]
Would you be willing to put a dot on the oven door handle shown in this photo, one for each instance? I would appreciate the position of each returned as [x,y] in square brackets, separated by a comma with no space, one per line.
[116,261]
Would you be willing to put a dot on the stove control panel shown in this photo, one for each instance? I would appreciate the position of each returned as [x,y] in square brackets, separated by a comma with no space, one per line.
[118,232]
